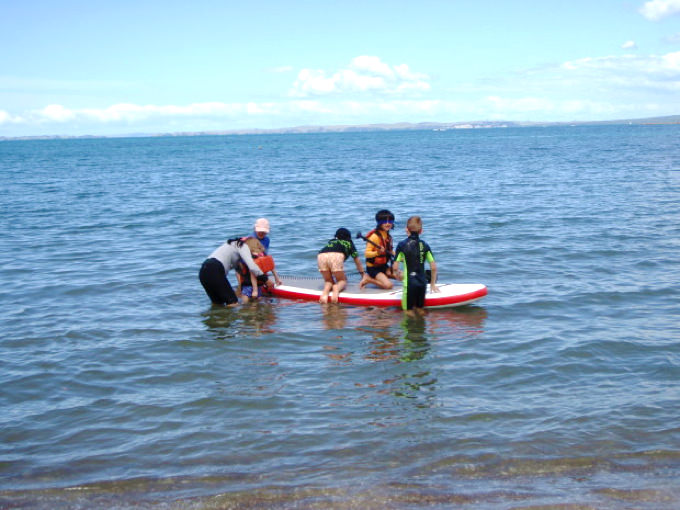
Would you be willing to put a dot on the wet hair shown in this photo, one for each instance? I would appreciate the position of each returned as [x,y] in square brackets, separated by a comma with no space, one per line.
[343,234]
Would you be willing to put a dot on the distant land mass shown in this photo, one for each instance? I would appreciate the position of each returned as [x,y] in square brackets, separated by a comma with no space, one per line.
[400,126]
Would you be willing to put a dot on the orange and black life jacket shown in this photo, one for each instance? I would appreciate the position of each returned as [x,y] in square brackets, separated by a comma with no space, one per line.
[264,262]
[385,242]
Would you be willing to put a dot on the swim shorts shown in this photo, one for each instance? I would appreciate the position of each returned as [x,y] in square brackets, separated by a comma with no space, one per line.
[373,271]
[332,261]
[247,290]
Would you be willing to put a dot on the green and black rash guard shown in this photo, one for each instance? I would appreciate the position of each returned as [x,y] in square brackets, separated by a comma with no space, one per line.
[347,248]
[414,252]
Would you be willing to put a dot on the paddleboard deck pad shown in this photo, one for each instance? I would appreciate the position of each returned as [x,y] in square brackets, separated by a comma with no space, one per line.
[309,289]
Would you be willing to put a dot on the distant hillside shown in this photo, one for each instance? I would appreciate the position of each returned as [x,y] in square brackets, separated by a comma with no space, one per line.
[403,126]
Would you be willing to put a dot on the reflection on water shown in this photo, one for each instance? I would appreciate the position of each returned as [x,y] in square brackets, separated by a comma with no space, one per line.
[466,321]
[355,336]
[382,325]
[334,316]
[415,345]
[397,336]
[403,342]
[255,318]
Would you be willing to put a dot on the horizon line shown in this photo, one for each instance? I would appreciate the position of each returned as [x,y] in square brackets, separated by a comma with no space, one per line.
[339,128]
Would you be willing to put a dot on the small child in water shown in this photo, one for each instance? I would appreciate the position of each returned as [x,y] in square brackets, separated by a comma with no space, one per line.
[250,286]
[331,262]
[414,252]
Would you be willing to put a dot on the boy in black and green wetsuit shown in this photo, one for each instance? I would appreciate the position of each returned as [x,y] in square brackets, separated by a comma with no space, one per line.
[414,252]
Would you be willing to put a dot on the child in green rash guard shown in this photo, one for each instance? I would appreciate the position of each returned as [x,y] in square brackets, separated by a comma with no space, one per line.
[414,252]
[331,261]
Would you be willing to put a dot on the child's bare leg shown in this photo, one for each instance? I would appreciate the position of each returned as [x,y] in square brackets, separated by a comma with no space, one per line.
[327,286]
[366,279]
[338,287]
[382,281]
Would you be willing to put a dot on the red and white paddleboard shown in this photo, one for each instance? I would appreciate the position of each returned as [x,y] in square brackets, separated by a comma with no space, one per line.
[449,295]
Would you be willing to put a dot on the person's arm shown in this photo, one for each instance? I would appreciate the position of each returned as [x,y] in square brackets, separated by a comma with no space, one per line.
[277,280]
[395,265]
[373,247]
[433,272]
[357,262]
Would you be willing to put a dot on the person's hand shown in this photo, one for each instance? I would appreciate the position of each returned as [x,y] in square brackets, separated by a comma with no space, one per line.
[434,288]
[277,282]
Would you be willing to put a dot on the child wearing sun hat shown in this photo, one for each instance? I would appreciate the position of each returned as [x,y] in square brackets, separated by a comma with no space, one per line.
[261,233]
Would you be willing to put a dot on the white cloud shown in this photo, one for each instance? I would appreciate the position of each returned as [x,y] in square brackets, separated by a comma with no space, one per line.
[56,113]
[650,71]
[128,113]
[368,90]
[7,118]
[372,65]
[629,45]
[659,9]
[364,74]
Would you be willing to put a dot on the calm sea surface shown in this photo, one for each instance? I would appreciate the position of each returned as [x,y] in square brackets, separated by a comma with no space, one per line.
[122,387]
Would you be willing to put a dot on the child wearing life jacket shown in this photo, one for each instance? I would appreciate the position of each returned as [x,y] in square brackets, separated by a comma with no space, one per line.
[414,252]
[331,262]
[379,252]
[250,285]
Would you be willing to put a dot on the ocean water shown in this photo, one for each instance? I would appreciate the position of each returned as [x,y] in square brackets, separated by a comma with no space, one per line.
[122,387]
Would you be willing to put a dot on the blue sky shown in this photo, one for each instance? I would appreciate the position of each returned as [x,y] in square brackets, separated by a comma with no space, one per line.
[145,66]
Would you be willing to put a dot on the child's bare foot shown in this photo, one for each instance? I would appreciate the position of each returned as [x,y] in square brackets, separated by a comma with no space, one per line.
[323,298]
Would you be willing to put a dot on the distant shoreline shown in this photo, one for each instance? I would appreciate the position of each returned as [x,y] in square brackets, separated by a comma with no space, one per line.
[400,126]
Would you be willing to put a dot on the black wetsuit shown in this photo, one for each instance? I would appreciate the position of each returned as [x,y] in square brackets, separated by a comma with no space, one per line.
[414,252]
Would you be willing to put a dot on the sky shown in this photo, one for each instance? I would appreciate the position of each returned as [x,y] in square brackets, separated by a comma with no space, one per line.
[101,67]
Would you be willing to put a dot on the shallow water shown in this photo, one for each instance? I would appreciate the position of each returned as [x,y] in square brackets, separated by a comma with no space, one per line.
[122,387]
